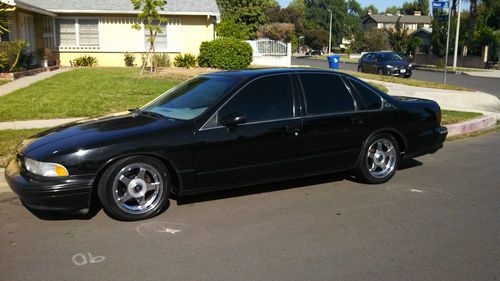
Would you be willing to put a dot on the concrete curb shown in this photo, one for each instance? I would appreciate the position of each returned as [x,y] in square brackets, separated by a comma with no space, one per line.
[3,185]
[470,126]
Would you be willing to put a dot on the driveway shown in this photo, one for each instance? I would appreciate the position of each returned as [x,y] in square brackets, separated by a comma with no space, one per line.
[483,84]
[438,219]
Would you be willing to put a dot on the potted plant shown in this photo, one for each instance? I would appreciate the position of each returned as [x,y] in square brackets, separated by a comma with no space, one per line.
[44,55]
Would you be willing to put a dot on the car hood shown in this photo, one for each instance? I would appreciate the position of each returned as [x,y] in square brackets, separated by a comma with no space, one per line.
[397,63]
[87,132]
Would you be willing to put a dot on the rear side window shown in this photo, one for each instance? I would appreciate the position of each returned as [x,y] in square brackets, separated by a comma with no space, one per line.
[325,93]
[368,99]
[268,98]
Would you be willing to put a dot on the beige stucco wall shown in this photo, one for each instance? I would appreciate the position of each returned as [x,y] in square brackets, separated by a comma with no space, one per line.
[116,37]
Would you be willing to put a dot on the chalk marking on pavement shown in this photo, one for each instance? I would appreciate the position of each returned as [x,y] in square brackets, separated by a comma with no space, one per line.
[169,230]
[81,259]
[417,190]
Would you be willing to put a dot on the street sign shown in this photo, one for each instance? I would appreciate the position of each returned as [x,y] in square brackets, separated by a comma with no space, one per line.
[439,5]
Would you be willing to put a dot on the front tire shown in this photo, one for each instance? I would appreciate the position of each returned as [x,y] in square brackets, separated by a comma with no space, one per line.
[380,71]
[379,159]
[135,188]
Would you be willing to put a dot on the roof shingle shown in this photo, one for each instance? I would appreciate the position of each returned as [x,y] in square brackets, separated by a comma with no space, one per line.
[125,6]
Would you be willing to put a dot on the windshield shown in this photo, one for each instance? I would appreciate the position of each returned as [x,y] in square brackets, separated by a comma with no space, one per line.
[190,99]
[390,57]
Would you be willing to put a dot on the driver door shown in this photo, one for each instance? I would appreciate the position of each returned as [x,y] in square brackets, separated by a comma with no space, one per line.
[261,148]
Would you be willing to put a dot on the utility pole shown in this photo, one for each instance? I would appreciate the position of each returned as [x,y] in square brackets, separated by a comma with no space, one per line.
[330,37]
[447,43]
[456,35]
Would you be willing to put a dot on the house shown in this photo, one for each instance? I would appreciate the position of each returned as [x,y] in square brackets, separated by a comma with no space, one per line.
[426,35]
[103,28]
[412,23]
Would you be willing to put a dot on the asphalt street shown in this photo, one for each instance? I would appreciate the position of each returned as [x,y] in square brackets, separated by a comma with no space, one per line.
[487,85]
[437,219]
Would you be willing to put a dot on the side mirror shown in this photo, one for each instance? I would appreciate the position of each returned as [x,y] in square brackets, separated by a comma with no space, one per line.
[233,119]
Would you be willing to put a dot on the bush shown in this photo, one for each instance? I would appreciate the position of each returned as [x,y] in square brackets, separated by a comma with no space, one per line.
[225,53]
[129,59]
[186,60]
[85,61]
[162,60]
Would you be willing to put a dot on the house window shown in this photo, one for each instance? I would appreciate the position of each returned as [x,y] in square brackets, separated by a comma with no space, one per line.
[88,32]
[77,32]
[66,32]
[161,37]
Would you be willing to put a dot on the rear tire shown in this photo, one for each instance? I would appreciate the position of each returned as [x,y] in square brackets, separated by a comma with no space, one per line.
[379,159]
[360,68]
[135,188]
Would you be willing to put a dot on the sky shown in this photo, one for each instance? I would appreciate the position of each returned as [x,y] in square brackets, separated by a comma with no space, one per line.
[380,4]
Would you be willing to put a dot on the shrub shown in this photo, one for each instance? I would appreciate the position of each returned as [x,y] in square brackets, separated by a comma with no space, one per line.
[186,60]
[129,59]
[225,53]
[282,32]
[162,60]
[85,61]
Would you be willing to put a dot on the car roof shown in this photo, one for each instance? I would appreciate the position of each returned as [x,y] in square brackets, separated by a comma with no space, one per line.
[256,72]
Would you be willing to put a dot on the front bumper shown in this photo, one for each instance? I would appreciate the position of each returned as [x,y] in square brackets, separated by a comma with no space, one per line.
[399,71]
[68,194]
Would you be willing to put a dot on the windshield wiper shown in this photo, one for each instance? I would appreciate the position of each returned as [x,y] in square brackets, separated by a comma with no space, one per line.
[150,113]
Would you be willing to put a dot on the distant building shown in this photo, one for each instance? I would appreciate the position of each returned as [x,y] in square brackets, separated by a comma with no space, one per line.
[388,21]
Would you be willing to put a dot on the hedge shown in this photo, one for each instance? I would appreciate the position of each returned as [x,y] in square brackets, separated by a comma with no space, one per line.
[225,53]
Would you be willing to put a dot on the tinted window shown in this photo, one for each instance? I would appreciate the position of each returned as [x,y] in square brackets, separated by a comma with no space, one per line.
[267,98]
[389,57]
[325,93]
[190,99]
[368,99]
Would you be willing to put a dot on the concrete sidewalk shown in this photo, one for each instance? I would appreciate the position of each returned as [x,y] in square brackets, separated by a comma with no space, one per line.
[448,99]
[28,80]
[35,124]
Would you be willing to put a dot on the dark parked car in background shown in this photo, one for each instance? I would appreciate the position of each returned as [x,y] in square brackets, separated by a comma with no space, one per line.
[223,130]
[317,52]
[385,63]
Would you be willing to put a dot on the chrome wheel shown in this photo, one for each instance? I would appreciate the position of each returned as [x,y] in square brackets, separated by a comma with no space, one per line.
[381,158]
[138,188]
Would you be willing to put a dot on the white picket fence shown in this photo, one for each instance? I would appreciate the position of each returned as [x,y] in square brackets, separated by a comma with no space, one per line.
[267,52]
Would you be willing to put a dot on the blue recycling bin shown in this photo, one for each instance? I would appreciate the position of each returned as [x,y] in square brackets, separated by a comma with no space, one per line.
[334,61]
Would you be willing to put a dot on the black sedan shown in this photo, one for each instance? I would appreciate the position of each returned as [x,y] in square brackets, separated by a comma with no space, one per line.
[385,63]
[224,130]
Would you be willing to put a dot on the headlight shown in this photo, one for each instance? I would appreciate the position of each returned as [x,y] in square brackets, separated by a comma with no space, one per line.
[45,169]
[389,66]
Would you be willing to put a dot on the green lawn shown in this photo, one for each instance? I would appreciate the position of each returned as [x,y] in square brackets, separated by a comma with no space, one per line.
[85,92]
[452,117]
[405,81]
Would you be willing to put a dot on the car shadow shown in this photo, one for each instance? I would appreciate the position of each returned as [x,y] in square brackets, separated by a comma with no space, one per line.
[283,185]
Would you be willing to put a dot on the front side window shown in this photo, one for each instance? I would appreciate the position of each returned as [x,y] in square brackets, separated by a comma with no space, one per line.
[268,98]
[191,98]
[325,94]
[77,32]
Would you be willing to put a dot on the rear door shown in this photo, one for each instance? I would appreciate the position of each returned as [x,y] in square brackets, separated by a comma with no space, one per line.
[263,148]
[331,132]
